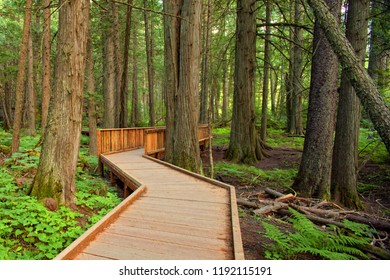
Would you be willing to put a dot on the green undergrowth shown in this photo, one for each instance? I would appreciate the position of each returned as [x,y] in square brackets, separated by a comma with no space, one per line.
[371,147]
[221,136]
[28,230]
[305,238]
[250,175]
[278,138]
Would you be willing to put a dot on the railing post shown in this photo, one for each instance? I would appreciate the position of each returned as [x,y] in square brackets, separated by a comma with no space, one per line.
[99,151]
[122,140]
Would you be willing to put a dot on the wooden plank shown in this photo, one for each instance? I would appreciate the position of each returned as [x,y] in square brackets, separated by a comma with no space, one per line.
[219,233]
[186,196]
[237,241]
[210,243]
[180,219]
[80,243]
[189,212]
[153,202]
[151,248]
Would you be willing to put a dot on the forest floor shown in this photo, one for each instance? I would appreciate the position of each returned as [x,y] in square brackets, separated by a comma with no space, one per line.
[374,191]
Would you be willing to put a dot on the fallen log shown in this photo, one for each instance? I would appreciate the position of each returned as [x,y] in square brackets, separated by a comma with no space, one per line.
[375,223]
[271,208]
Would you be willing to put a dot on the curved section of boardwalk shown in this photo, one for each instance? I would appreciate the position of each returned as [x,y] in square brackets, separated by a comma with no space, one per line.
[172,215]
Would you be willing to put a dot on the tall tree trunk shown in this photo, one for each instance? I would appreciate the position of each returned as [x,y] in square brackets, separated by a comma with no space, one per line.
[46,63]
[371,99]
[378,42]
[30,91]
[186,152]
[125,71]
[345,155]
[225,88]
[289,77]
[92,122]
[172,24]
[314,174]
[266,74]
[55,177]
[21,78]
[6,99]
[117,61]
[245,145]
[149,58]
[297,71]
[109,78]
[204,93]
[134,92]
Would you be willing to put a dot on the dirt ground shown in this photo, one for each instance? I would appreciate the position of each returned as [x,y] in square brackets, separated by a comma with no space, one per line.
[376,200]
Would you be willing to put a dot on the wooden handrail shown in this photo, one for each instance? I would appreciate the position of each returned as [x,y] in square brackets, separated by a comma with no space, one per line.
[154,142]
[151,138]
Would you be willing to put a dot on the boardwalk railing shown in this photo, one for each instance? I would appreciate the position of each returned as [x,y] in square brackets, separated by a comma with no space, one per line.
[119,139]
[154,143]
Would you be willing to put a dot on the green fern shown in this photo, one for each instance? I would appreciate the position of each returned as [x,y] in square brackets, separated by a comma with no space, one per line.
[309,239]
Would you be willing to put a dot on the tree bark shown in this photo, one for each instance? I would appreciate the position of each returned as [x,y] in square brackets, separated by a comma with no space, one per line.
[123,95]
[378,43]
[134,93]
[149,59]
[172,24]
[364,86]
[109,78]
[245,145]
[92,122]
[117,60]
[345,155]
[55,177]
[314,176]
[294,93]
[204,93]
[21,78]
[186,152]
[46,63]
[30,90]
[266,71]
[225,89]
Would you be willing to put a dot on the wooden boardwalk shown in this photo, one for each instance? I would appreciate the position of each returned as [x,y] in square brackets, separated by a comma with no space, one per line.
[172,214]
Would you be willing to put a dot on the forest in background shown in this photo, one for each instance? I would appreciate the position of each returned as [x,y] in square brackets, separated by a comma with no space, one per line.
[256,68]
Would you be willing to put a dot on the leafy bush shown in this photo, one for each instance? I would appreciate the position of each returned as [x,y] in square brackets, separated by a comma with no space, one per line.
[27,229]
[337,244]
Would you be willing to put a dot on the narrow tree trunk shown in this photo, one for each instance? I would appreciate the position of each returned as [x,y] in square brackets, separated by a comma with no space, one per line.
[376,42]
[204,93]
[149,58]
[117,61]
[6,103]
[297,71]
[364,86]
[267,64]
[314,174]
[46,55]
[125,71]
[289,77]
[245,145]
[92,123]
[134,92]
[30,91]
[225,89]
[109,80]
[55,177]
[21,78]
